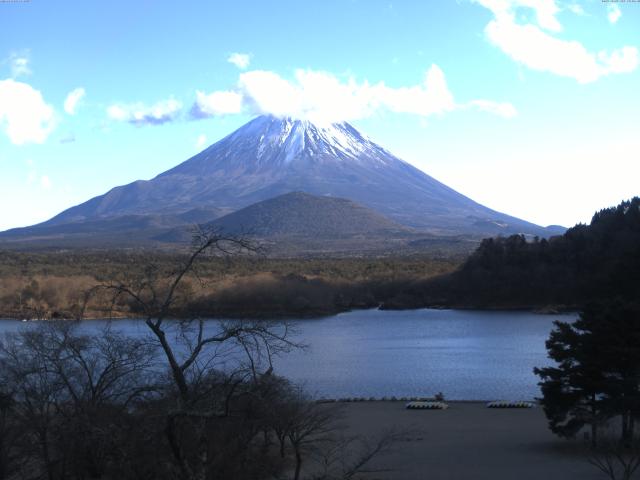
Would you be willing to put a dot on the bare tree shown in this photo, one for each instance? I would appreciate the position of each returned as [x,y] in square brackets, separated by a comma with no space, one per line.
[156,294]
[315,434]
[69,392]
[193,347]
[9,435]
[193,399]
[308,424]
[617,459]
[345,458]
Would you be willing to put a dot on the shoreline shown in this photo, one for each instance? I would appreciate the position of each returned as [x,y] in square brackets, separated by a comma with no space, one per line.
[398,400]
[538,310]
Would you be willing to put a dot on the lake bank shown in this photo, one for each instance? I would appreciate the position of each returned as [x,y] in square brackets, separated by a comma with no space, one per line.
[53,284]
[247,314]
[468,442]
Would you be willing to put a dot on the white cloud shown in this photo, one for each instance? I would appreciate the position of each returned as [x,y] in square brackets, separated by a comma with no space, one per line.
[502,109]
[201,141]
[216,103]
[35,178]
[240,60]
[430,98]
[19,63]
[613,13]
[623,60]
[577,9]
[138,114]
[24,115]
[45,182]
[545,10]
[72,100]
[532,46]
[324,98]
[268,92]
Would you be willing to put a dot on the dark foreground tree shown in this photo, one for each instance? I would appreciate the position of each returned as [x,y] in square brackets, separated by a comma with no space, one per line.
[98,407]
[216,368]
[218,407]
[10,434]
[69,395]
[614,459]
[597,377]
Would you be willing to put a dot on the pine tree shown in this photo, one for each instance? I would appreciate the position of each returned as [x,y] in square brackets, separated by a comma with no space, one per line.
[597,376]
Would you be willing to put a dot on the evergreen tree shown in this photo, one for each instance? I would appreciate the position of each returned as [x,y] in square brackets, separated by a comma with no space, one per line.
[597,376]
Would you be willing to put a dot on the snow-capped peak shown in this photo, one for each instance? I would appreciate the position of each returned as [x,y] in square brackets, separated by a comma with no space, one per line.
[289,139]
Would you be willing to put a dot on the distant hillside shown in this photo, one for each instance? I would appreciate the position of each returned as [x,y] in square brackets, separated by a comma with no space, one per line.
[600,260]
[108,232]
[304,215]
[300,224]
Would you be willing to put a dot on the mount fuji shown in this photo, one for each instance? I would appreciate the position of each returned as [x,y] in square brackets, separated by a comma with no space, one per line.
[269,157]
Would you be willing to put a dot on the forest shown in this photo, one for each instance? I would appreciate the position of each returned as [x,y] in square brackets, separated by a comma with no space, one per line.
[55,284]
[589,262]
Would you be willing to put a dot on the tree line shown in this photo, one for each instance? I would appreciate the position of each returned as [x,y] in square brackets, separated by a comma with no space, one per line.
[596,261]
[52,285]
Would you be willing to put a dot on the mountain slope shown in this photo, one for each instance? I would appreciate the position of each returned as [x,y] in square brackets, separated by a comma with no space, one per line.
[301,214]
[269,156]
[264,159]
[299,224]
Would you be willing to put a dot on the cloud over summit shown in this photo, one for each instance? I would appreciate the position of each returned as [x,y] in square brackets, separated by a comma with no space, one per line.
[325,98]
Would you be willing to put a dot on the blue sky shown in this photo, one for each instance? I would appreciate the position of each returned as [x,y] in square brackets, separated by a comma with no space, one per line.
[530,107]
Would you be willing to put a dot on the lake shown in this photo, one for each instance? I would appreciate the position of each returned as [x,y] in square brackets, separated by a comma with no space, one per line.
[465,354]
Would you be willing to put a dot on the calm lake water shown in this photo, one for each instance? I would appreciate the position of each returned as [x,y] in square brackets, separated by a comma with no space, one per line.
[467,355]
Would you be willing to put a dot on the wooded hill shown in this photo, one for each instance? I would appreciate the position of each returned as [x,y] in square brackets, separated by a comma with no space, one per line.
[588,262]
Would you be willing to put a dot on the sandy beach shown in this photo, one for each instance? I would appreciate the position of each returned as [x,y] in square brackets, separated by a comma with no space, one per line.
[469,442]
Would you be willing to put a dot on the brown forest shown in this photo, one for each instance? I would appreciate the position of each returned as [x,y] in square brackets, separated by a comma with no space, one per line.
[54,285]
